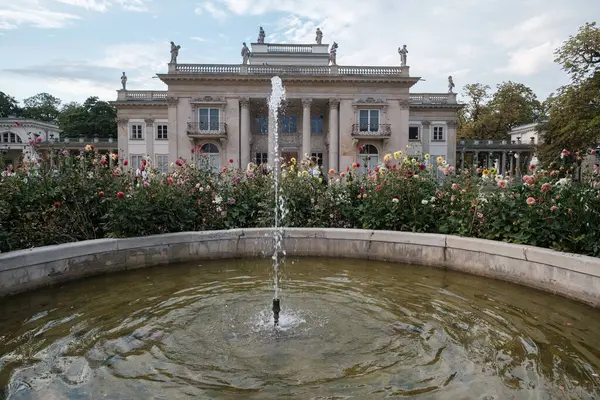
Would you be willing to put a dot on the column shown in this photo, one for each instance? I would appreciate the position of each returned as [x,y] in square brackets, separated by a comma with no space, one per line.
[306,128]
[462,159]
[245,132]
[475,161]
[123,138]
[451,142]
[149,136]
[503,163]
[172,129]
[426,136]
[334,144]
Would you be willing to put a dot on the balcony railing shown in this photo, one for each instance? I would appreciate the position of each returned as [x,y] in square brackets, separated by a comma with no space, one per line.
[433,98]
[145,95]
[316,70]
[372,130]
[206,128]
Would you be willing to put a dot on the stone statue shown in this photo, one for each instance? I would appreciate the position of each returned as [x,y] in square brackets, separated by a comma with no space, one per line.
[174,53]
[261,35]
[245,54]
[333,54]
[403,55]
[319,37]
[124,81]
[450,84]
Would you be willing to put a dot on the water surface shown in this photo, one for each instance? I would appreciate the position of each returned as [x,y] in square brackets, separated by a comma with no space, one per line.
[349,329]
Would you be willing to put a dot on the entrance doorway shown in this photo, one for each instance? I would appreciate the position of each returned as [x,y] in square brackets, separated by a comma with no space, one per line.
[286,156]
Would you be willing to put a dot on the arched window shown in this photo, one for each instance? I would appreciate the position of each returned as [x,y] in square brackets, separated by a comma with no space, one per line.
[10,137]
[209,157]
[368,158]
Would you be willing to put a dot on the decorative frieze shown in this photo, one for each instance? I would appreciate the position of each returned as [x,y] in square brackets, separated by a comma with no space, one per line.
[334,103]
[149,121]
[306,102]
[244,101]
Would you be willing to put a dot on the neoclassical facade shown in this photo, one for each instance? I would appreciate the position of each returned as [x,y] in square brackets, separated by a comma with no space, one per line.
[330,110]
[17,136]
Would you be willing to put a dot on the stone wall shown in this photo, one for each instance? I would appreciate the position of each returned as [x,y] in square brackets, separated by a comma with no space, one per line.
[569,275]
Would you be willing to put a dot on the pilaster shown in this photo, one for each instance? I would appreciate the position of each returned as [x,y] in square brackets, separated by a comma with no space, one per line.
[172,103]
[426,136]
[306,128]
[451,142]
[149,136]
[123,138]
[245,134]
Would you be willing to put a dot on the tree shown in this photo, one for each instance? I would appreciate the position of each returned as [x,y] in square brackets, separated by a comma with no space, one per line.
[579,56]
[92,118]
[42,107]
[8,106]
[489,116]
[574,112]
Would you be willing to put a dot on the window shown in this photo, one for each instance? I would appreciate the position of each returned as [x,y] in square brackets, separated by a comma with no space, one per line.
[368,158]
[161,132]
[413,133]
[209,119]
[438,133]
[261,158]
[319,157]
[369,120]
[288,124]
[9,137]
[162,163]
[261,124]
[316,124]
[209,157]
[136,132]
[136,161]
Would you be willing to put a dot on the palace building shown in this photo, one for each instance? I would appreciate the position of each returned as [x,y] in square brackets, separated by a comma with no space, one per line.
[330,110]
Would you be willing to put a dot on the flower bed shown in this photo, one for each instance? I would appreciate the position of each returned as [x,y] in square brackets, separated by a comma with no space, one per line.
[94,196]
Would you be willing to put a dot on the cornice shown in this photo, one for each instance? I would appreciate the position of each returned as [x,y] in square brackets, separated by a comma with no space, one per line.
[154,103]
[455,106]
[405,80]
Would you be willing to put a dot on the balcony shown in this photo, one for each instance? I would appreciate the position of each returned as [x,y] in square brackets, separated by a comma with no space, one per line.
[304,70]
[207,130]
[433,98]
[371,131]
[142,95]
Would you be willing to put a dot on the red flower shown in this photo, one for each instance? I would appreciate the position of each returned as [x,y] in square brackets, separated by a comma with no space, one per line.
[100,194]
[199,145]
[224,169]
[378,187]
[360,149]
[231,161]
[125,163]
[193,150]
[170,180]
[39,139]
[57,204]
[120,195]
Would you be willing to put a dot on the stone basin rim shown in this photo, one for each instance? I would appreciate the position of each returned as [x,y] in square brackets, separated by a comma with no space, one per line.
[570,275]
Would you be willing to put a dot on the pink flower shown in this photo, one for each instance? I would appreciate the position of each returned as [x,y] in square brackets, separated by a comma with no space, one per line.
[452,198]
[120,195]
[170,180]
[546,187]
[553,208]
[530,201]
[39,139]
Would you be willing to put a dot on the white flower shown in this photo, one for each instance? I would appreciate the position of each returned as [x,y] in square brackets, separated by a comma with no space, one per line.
[217,200]
[424,202]
[395,200]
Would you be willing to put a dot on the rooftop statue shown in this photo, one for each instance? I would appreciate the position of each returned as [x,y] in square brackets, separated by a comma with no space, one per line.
[124,81]
[450,84]
[245,54]
[261,35]
[403,51]
[333,54]
[319,37]
[174,52]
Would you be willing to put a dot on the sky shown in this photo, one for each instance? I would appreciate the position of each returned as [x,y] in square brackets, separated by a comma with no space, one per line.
[74,49]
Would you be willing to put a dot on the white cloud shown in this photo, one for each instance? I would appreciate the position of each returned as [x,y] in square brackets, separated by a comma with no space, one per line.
[529,61]
[104,5]
[533,30]
[198,39]
[30,14]
[216,11]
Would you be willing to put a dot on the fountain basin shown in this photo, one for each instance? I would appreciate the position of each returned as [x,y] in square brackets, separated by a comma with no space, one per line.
[569,275]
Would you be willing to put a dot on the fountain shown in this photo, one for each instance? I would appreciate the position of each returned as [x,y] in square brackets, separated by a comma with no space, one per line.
[275,102]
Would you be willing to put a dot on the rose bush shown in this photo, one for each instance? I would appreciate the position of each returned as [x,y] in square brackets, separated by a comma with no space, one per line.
[94,196]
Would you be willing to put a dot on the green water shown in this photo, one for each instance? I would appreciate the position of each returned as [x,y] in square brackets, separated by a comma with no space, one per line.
[349,329]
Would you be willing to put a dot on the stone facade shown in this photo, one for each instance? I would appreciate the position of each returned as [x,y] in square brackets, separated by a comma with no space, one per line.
[16,135]
[330,110]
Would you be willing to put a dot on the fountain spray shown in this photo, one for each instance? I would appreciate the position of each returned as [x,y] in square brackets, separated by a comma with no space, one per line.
[275,100]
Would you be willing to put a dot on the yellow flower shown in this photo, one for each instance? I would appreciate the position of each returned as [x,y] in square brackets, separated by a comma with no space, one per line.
[320,180]
[293,161]
[172,164]
[485,172]
[427,156]
[397,155]
[440,159]
[291,168]
[387,157]
[304,173]
[299,174]
[493,171]
[413,161]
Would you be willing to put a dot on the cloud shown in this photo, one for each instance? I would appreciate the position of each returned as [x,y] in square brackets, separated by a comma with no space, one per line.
[104,5]
[533,30]
[28,14]
[198,39]
[216,11]
[529,61]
